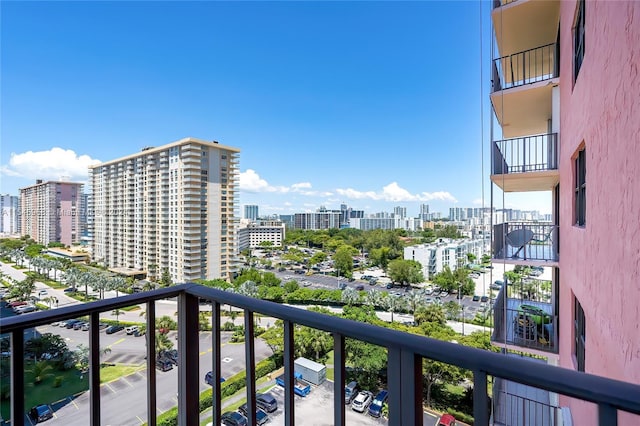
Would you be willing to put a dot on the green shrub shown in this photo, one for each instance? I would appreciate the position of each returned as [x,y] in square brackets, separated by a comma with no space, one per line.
[57,382]
[460,416]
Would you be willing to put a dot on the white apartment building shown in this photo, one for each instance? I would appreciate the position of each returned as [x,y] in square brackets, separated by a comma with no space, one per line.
[9,220]
[50,211]
[369,223]
[445,252]
[251,235]
[173,207]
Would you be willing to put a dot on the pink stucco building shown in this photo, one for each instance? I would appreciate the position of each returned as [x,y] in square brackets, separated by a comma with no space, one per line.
[51,211]
[566,98]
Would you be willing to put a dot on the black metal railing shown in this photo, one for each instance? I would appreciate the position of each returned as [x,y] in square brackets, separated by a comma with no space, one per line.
[525,241]
[529,66]
[523,323]
[405,354]
[513,409]
[527,154]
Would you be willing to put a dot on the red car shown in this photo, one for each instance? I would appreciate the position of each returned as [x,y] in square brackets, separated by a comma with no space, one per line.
[446,420]
[14,304]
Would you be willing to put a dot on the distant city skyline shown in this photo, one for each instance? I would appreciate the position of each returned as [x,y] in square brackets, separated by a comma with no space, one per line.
[353,115]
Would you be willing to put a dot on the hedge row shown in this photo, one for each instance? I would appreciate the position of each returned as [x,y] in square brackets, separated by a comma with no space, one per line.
[228,388]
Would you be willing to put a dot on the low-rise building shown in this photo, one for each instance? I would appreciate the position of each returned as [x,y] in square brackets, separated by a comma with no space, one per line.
[445,252]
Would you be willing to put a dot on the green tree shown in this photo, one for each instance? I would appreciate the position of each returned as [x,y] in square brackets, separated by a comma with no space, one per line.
[405,271]
[431,313]
[40,371]
[165,279]
[291,286]
[343,260]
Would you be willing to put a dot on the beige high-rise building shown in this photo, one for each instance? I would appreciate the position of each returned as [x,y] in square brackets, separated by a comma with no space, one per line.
[50,211]
[173,207]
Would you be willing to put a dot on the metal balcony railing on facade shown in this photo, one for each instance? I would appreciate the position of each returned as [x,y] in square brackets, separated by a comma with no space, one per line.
[527,154]
[530,66]
[525,241]
[404,365]
[511,408]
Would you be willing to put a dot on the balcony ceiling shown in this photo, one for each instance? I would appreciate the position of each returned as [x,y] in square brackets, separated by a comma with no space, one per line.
[528,181]
[524,110]
[525,24]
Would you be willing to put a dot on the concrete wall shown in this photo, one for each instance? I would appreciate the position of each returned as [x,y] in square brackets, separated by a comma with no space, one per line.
[600,263]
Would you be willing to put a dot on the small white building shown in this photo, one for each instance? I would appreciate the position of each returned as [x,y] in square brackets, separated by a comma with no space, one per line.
[444,252]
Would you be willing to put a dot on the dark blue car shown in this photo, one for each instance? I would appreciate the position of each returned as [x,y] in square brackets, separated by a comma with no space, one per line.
[208,378]
[375,409]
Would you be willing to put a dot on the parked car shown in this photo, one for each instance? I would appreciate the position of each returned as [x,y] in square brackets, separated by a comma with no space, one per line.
[70,290]
[350,392]
[70,323]
[85,326]
[114,329]
[208,378]
[164,365]
[476,298]
[360,287]
[78,325]
[23,309]
[362,401]
[389,285]
[131,329]
[261,416]
[266,401]
[375,409]
[484,299]
[40,413]
[446,420]
[233,418]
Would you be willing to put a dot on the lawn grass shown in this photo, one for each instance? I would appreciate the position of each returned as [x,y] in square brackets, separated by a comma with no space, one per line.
[45,393]
[110,373]
[131,308]
[330,373]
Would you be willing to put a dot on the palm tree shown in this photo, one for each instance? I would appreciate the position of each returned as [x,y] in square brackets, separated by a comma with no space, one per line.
[116,313]
[72,276]
[415,299]
[163,343]
[350,296]
[86,279]
[394,304]
[373,298]
[248,288]
[116,283]
[40,371]
[56,265]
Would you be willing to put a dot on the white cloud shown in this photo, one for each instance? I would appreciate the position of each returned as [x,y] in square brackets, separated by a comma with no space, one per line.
[250,181]
[51,164]
[300,185]
[393,192]
[478,201]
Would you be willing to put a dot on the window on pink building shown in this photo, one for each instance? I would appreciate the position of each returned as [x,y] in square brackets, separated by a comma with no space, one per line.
[580,188]
[579,333]
[578,39]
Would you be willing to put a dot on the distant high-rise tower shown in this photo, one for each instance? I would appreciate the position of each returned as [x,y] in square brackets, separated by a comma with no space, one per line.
[9,209]
[173,207]
[399,212]
[251,212]
[424,212]
[50,212]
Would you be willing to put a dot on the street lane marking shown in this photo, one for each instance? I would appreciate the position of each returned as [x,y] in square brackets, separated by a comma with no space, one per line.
[116,342]
[75,405]
[126,381]
[112,390]
[141,421]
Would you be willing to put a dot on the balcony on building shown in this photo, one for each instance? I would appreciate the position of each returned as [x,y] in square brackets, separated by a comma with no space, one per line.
[405,353]
[526,243]
[524,318]
[528,163]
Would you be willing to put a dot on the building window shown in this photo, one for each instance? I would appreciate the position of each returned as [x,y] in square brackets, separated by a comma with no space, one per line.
[579,332]
[578,40]
[581,188]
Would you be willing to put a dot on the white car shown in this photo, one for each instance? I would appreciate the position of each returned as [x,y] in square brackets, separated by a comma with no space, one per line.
[362,401]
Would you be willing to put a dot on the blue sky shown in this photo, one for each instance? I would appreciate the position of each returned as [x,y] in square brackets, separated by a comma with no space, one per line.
[369,104]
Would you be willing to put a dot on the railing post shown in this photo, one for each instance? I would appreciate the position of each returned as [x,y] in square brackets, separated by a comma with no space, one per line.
[480,399]
[188,360]
[339,380]
[17,378]
[289,414]
[216,356]
[150,337]
[607,415]
[94,368]
[250,357]
[404,372]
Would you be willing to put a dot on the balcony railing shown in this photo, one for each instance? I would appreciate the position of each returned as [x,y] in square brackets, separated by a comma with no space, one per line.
[404,365]
[529,154]
[530,66]
[526,323]
[525,241]
[517,405]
